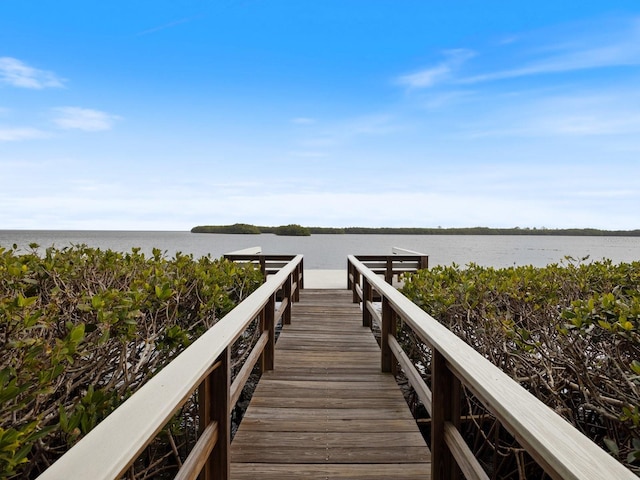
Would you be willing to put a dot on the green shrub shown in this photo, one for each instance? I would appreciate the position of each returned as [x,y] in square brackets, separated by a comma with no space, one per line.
[81,329]
[568,333]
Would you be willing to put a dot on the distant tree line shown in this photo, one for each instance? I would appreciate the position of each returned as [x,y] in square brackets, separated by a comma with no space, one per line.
[243,228]
[297,230]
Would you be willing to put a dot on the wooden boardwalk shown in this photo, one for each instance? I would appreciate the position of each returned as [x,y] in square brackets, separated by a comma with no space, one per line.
[326,411]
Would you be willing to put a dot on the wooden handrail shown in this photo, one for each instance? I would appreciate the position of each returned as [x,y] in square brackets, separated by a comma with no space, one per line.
[114,444]
[560,449]
[401,261]
[269,264]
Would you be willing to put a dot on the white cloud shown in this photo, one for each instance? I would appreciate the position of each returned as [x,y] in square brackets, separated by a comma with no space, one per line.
[21,133]
[303,121]
[439,73]
[18,74]
[69,118]
[348,130]
[584,114]
[307,154]
[446,99]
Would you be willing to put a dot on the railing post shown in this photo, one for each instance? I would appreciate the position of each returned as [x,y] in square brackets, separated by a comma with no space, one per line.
[214,400]
[424,262]
[388,273]
[286,319]
[367,296]
[356,284]
[267,323]
[388,328]
[263,266]
[301,284]
[445,409]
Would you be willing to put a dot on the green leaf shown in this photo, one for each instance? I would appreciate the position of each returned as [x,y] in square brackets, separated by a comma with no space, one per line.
[77,334]
[25,302]
[633,456]
[612,446]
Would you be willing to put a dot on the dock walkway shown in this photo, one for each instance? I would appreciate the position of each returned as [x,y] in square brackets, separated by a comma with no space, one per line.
[326,410]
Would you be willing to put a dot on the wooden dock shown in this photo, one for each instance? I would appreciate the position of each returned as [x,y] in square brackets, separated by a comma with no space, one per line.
[326,411]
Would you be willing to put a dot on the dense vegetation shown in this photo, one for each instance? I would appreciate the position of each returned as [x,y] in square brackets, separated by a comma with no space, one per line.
[244,228]
[82,329]
[292,230]
[570,334]
[236,228]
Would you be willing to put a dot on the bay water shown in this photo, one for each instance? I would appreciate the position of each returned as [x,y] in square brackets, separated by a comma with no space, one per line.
[330,251]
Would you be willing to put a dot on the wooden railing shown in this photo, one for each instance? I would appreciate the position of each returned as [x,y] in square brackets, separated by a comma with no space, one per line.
[402,261]
[269,264]
[561,450]
[205,366]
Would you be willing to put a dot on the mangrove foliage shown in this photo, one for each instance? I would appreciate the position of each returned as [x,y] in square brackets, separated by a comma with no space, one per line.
[82,329]
[569,333]
[300,230]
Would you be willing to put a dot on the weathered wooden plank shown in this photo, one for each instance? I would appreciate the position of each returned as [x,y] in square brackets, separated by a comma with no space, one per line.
[322,454]
[247,471]
[352,376]
[331,425]
[325,358]
[365,413]
[365,394]
[384,382]
[314,402]
[285,372]
[331,439]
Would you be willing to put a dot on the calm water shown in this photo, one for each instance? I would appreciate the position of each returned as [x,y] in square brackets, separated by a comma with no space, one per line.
[330,251]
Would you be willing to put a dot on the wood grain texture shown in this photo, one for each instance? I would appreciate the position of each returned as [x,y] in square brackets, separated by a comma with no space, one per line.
[327,411]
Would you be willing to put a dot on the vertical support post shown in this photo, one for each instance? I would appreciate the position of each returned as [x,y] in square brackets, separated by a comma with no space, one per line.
[301,284]
[424,262]
[263,267]
[349,273]
[388,328]
[214,401]
[367,296]
[388,273]
[445,408]
[267,324]
[286,318]
[356,283]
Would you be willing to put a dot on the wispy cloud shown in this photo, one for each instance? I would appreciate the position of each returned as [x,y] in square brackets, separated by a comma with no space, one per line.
[350,129]
[16,73]
[601,49]
[167,25]
[568,48]
[307,154]
[303,121]
[21,133]
[446,99]
[431,76]
[584,114]
[75,118]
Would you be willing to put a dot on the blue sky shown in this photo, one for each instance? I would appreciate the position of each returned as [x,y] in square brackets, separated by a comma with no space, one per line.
[157,115]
